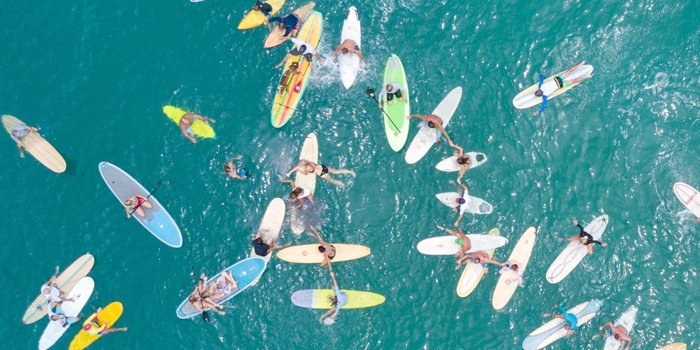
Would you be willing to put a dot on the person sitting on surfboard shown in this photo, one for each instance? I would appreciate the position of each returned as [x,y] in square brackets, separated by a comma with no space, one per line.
[328,250]
[298,193]
[561,81]
[290,23]
[433,122]
[514,267]
[287,76]
[464,242]
[186,125]
[570,320]
[304,49]
[92,325]
[134,204]
[478,258]
[463,160]
[464,202]
[391,90]
[337,302]
[232,171]
[585,238]
[348,46]
[201,299]
[323,171]
[263,7]
[619,332]
[18,132]
[60,316]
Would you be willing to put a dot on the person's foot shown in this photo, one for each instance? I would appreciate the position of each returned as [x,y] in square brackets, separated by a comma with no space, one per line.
[352,173]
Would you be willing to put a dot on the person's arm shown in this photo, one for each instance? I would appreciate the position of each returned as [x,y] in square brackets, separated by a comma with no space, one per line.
[606,324]
[539,85]
[569,333]
[301,202]
[183,130]
[544,105]
[362,57]
[421,117]
[444,133]
[320,60]
[459,218]
[380,95]
[590,249]
[318,236]
[629,341]
[289,181]
[128,212]
[573,68]
[464,187]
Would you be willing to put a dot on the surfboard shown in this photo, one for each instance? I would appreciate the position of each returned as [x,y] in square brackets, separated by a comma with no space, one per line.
[473,273]
[349,64]
[527,98]
[109,315]
[396,125]
[271,225]
[157,220]
[309,151]
[277,34]
[321,299]
[37,146]
[626,320]
[309,254]
[574,253]
[81,292]
[426,137]
[554,329]
[285,103]
[245,272]
[674,346]
[65,282]
[689,196]
[449,164]
[254,18]
[507,283]
[447,245]
[478,205]
[199,128]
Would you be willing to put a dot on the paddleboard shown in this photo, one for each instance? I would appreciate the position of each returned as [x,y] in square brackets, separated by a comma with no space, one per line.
[574,253]
[398,111]
[309,151]
[446,245]
[321,299]
[109,315]
[689,196]
[277,34]
[449,164]
[157,220]
[245,272]
[271,225]
[80,293]
[626,320]
[507,283]
[426,137]
[349,64]
[674,346]
[254,18]
[527,98]
[65,282]
[285,104]
[473,273]
[309,254]
[554,329]
[199,128]
[478,205]
[37,146]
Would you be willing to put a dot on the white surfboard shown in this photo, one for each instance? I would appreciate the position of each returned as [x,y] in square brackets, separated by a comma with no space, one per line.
[447,245]
[349,64]
[508,283]
[626,320]
[425,138]
[574,253]
[689,196]
[527,98]
[309,151]
[478,205]
[81,292]
[271,225]
[449,164]
[473,273]
[554,329]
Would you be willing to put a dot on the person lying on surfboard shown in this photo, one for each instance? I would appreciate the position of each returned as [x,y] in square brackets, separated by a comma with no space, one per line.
[262,249]
[307,167]
[224,285]
[513,266]
[60,316]
[478,258]
[464,202]
[298,193]
[391,90]
[92,325]
[263,7]
[328,250]
[186,125]
[570,320]
[585,238]
[561,82]
[433,122]
[134,204]
[337,302]
[348,46]
[18,133]
[232,172]
[51,292]
[290,23]
[619,332]
[201,299]
[304,49]
[463,160]
[464,241]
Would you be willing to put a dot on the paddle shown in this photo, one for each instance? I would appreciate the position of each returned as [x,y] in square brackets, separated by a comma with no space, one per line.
[205,315]
[371,94]
[149,196]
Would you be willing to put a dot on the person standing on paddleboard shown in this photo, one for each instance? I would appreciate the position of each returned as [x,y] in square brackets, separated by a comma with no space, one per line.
[302,48]
[619,332]
[290,23]
[464,242]
[18,132]
[307,167]
[232,172]
[391,90]
[348,46]
[134,204]
[585,238]
[561,81]
[570,320]
[464,202]
[298,193]
[186,125]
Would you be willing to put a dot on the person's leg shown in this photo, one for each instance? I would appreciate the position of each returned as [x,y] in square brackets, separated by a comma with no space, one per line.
[333,181]
[340,171]
[140,211]
[389,98]
[147,205]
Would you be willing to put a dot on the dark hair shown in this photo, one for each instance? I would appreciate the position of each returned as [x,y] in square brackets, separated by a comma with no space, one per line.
[539,93]
[345,50]
[257,240]
[295,64]
[227,168]
[463,160]
[302,49]
[256,7]
[321,249]
[295,193]
[460,200]
[334,300]
[431,124]
[514,267]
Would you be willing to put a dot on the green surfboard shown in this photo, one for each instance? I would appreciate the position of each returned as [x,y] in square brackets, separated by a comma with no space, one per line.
[398,111]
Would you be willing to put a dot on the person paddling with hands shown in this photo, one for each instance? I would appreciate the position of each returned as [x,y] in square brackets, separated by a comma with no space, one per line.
[338,301]
[233,172]
[432,121]
[561,81]
[299,193]
[18,133]
[328,250]
[134,205]
[585,238]
[464,242]
[619,333]
[570,320]
[348,47]
[302,48]
[186,125]
[391,90]
[513,266]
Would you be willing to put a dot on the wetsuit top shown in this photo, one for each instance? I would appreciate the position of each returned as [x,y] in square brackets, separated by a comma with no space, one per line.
[261,249]
[298,43]
[290,21]
[571,318]
[342,298]
[589,238]
[23,131]
[305,192]
[467,202]
[396,88]
[54,295]
[265,8]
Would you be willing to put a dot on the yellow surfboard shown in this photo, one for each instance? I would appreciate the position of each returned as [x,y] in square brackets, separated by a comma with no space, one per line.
[473,273]
[277,34]
[321,299]
[37,146]
[199,128]
[255,18]
[109,314]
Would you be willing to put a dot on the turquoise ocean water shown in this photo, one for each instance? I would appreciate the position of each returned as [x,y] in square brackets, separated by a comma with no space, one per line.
[94,77]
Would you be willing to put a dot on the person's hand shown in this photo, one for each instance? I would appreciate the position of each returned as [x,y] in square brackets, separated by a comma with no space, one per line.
[535,112]
[604,245]
[556,306]
[575,222]
[379,105]
[601,328]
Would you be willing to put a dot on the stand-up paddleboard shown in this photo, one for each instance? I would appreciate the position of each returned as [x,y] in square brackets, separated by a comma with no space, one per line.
[426,137]
[157,220]
[245,272]
[276,36]
[199,128]
[80,294]
[109,316]
[271,225]
[674,346]
[689,196]
[626,320]
[449,164]
[309,254]
[286,101]
[398,111]
[255,18]
[527,98]
[554,329]
[473,273]
[349,63]
[508,282]
[309,151]
[37,146]
[575,251]
[321,299]
[478,205]
[65,282]
[447,245]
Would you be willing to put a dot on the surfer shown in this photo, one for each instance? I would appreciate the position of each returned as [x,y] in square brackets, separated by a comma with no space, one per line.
[561,81]
[432,121]
[464,202]
[307,167]
[464,242]
[298,193]
[134,204]
[224,285]
[288,74]
[570,321]
[391,90]
[60,316]
[337,302]
[186,125]
[290,23]
[478,258]
[19,132]
[328,250]
[262,249]
[263,7]
[233,172]
[619,332]
[302,48]
[348,46]
[585,238]
[201,299]
[513,266]
[463,160]
[51,292]
[92,325]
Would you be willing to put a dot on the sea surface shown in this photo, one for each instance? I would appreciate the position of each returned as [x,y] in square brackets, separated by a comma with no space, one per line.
[94,75]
